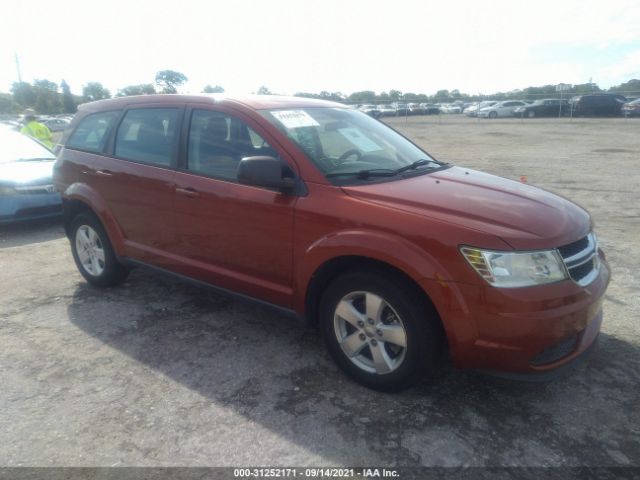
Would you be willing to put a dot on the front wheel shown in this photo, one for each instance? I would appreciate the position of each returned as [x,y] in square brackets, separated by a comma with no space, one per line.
[531,114]
[493,114]
[380,329]
[93,253]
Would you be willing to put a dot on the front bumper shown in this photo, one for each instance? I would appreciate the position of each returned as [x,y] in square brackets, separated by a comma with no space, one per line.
[533,330]
[21,207]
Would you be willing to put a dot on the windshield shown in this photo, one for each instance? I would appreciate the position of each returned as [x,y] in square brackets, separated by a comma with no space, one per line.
[15,146]
[345,143]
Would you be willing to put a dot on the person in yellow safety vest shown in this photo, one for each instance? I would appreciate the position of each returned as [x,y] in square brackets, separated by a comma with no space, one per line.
[35,129]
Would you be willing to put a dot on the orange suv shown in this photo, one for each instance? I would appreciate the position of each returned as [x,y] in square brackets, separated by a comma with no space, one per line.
[326,213]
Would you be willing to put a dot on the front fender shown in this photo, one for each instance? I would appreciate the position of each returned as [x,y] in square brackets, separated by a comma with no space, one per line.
[82,192]
[381,246]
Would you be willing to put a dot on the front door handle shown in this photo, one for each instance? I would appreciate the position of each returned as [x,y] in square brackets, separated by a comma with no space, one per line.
[98,173]
[187,191]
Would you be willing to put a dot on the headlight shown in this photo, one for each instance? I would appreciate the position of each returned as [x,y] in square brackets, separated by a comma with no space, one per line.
[514,269]
[7,191]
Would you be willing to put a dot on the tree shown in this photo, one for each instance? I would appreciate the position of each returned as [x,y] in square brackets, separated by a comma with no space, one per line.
[7,104]
[264,91]
[210,89]
[442,96]
[42,96]
[23,94]
[324,95]
[632,87]
[142,89]
[93,91]
[170,80]
[68,103]
[394,95]
[366,96]
[48,100]
[46,85]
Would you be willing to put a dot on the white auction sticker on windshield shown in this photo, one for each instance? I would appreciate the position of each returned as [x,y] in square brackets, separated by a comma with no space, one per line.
[295,118]
[359,139]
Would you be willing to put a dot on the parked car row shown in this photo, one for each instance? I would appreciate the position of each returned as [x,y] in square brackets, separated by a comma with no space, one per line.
[580,105]
[402,108]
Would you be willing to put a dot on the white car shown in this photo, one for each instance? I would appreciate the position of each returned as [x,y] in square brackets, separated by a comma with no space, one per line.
[500,109]
[450,108]
[386,111]
[472,110]
[370,110]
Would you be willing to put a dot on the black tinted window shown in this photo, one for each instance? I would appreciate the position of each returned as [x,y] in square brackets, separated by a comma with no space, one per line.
[91,132]
[217,143]
[146,135]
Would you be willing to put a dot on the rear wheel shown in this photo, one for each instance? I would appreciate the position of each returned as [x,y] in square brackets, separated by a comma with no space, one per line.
[493,114]
[531,114]
[93,253]
[380,330]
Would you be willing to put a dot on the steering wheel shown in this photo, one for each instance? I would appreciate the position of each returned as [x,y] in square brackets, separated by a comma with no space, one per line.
[348,154]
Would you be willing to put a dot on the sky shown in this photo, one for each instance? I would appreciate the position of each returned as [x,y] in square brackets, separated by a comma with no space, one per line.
[294,46]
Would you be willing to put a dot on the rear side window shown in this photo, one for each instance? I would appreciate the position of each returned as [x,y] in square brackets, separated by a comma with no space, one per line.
[92,132]
[147,135]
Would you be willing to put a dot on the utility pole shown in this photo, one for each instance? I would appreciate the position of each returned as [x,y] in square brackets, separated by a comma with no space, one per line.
[18,67]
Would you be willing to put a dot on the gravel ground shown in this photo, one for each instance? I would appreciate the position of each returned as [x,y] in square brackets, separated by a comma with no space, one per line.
[157,373]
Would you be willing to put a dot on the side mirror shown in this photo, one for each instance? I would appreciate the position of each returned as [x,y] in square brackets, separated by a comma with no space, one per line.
[263,171]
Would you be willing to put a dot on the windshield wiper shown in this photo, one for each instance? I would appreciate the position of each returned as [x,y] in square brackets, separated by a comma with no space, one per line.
[413,166]
[364,174]
[383,172]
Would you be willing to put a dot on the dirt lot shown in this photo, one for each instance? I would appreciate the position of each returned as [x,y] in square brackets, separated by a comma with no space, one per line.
[159,373]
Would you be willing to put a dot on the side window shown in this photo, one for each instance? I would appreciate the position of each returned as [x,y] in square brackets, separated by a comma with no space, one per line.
[217,143]
[147,135]
[91,132]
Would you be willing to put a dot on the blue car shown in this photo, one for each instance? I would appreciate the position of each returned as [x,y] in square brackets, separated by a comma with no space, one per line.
[26,188]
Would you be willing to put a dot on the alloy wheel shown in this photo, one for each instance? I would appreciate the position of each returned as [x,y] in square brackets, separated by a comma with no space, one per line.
[370,332]
[90,250]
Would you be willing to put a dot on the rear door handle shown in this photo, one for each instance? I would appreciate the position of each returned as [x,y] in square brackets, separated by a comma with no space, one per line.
[188,191]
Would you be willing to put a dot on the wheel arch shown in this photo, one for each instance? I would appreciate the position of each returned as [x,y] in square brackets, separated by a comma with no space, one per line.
[334,267]
[79,198]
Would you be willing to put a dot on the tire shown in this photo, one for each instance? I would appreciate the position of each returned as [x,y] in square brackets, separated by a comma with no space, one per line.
[93,253]
[493,114]
[400,314]
[531,114]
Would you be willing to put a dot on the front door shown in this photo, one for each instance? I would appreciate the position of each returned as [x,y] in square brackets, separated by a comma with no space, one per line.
[234,236]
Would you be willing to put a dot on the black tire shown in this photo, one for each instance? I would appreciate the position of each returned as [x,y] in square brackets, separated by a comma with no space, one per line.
[113,272]
[424,337]
[493,114]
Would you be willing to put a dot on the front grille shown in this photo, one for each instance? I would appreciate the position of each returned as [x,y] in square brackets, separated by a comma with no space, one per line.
[575,247]
[556,352]
[581,259]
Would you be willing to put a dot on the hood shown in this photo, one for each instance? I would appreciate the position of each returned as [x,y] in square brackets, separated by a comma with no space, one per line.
[25,173]
[524,216]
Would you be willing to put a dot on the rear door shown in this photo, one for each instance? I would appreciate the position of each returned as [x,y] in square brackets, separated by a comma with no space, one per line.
[137,179]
